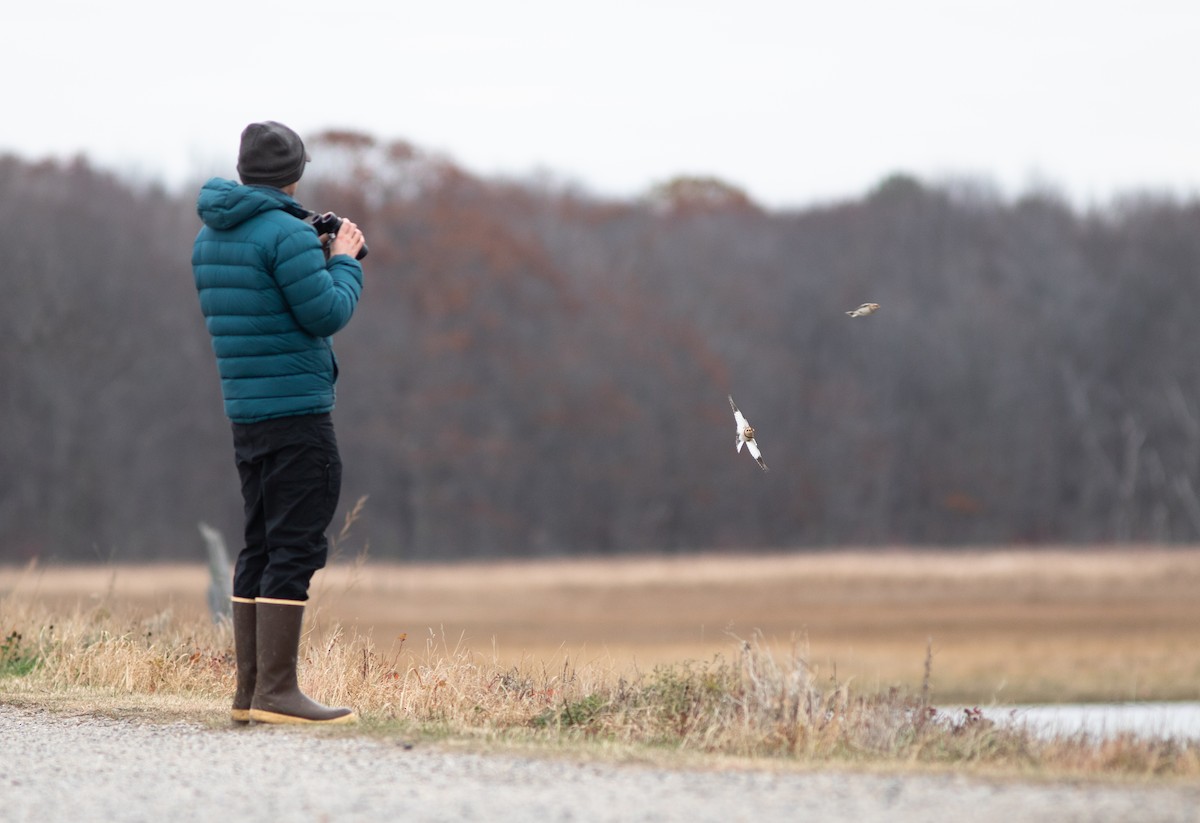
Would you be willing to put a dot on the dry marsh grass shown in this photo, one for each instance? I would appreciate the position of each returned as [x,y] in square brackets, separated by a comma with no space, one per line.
[1006,626]
[809,658]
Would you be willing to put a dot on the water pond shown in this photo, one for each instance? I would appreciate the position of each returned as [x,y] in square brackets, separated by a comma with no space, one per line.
[1177,720]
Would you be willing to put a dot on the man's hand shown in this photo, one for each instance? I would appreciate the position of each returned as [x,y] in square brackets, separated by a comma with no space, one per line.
[349,240]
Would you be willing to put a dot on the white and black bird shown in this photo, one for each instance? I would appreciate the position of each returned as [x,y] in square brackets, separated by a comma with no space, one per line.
[745,435]
[864,310]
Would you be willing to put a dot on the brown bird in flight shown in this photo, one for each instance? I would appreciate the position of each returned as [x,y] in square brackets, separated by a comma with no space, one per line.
[864,310]
[745,435]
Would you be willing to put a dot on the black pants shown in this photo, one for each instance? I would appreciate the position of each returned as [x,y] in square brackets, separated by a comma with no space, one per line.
[291,480]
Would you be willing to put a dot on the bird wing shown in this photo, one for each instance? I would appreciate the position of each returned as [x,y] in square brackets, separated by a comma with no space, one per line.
[738,419]
[740,422]
[752,447]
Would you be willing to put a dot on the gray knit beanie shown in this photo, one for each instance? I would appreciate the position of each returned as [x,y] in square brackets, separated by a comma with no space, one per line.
[271,155]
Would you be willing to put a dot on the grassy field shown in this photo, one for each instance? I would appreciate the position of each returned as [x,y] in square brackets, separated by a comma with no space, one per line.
[1011,626]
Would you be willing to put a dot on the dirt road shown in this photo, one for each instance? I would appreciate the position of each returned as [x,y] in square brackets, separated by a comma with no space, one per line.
[82,768]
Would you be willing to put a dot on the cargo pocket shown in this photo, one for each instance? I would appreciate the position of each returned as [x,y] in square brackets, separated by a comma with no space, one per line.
[333,482]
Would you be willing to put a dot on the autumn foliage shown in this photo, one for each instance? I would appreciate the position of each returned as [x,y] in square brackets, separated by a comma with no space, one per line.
[534,370]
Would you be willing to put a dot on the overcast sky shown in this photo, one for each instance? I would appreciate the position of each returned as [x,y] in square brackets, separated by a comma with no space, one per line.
[796,102]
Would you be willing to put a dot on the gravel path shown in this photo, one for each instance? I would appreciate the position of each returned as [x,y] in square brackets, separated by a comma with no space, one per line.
[60,768]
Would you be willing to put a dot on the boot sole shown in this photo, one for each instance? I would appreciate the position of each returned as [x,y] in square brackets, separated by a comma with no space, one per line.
[263,716]
[240,715]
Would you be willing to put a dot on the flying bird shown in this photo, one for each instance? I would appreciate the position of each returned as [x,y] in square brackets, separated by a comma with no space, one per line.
[864,310]
[745,435]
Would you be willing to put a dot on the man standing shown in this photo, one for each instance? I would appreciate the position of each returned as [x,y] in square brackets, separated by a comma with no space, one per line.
[272,296]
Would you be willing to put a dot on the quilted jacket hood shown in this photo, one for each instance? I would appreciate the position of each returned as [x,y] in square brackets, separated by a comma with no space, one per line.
[224,204]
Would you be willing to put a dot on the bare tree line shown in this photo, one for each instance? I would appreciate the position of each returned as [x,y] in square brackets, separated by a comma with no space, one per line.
[534,370]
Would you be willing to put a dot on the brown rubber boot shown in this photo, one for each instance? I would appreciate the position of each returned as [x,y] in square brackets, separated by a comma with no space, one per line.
[245,655]
[277,695]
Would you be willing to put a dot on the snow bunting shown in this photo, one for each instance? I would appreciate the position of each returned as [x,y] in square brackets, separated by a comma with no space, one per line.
[864,310]
[745,435]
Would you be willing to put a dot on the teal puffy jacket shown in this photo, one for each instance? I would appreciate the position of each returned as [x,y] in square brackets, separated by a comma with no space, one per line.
[270,301]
